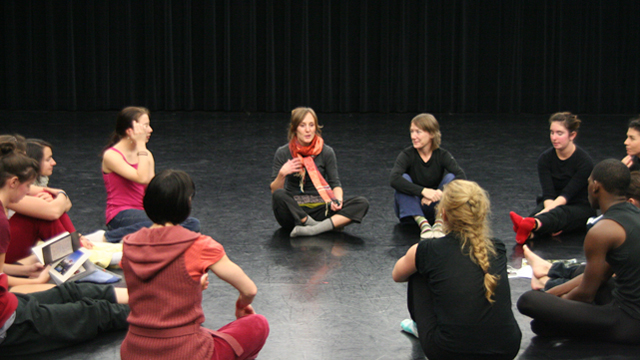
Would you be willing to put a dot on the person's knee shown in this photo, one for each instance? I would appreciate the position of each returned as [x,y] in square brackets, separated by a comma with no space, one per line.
[407,177]
[446,179]
[262,324]
[526,301]
[193,224]
[259,326]
[362,202]
[278,196]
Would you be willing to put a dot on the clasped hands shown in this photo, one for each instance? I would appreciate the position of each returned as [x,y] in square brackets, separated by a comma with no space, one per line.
[430,196]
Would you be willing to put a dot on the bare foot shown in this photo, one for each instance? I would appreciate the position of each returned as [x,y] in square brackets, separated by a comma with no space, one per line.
[539,283]
[539,265]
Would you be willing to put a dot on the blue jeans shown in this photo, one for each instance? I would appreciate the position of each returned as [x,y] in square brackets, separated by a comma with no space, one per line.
[131,220]
[407,206]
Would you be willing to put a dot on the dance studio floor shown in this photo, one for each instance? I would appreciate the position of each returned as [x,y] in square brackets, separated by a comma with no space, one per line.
[331,296]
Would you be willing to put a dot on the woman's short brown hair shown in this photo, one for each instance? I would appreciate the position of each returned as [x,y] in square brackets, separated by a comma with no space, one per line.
[427,122]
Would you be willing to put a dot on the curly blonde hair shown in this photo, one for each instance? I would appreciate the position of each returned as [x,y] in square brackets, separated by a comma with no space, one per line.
[465,208]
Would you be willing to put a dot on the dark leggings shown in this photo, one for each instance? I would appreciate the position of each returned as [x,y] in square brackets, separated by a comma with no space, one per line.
[554,316]
[288,213]
[565,217]
[62,316]
[559,273]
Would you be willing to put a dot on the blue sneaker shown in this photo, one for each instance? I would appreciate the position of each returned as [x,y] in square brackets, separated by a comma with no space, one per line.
[409,326]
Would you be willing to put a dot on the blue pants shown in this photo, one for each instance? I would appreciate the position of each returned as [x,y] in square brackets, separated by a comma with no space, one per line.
[131,220]
[407,206]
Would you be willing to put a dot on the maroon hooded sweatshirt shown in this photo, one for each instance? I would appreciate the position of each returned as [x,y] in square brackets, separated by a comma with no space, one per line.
[166,302]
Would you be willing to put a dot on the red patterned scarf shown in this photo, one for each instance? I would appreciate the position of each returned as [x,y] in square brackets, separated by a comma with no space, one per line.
[307,154]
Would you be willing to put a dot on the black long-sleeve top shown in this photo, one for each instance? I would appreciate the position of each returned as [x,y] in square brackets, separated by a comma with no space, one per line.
[423,174]
[567,178]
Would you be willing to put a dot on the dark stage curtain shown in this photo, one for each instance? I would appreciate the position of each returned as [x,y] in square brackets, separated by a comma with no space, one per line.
[449,56]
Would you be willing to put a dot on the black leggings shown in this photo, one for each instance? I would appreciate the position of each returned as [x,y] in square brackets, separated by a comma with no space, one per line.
[565,217]
[554,316]
[288,213]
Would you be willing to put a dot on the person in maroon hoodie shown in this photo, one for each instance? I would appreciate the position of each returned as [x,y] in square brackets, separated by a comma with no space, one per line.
[61,316]
[165,267]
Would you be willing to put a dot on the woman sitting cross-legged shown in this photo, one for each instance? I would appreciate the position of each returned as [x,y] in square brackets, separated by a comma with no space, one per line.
[41,215]
[458,293]
[307,195]
[419,174]
[127,168]
[165,267]
[563,170]
[60,316]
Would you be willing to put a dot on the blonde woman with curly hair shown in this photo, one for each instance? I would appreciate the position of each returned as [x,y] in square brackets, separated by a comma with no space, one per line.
[458,293]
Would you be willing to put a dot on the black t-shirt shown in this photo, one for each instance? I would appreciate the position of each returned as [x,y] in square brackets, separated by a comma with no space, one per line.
[467,322]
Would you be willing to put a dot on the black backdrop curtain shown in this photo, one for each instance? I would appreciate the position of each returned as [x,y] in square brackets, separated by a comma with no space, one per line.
[449,56]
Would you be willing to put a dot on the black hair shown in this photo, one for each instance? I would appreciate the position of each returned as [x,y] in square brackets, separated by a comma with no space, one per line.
[613,175]
[168,197]
[634,123]
[633,191]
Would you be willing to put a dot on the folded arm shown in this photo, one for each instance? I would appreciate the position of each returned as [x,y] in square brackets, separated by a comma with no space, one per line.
[40,208]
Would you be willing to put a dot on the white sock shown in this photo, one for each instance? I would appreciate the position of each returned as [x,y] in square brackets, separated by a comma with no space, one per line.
[96,236]
[116,258]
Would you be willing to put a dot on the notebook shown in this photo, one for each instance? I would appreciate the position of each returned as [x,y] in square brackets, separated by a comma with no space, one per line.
[70,261]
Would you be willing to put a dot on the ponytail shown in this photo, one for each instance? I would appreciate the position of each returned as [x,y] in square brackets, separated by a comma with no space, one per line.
[124,121]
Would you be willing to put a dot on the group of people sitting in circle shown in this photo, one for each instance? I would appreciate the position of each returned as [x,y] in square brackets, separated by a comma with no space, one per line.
[164,258]
[458,289]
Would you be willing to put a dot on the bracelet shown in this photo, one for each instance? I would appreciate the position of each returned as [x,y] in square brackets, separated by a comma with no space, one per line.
[62,192]
[143,153]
